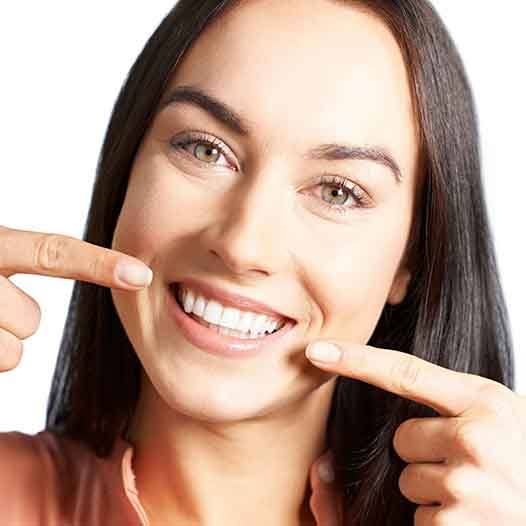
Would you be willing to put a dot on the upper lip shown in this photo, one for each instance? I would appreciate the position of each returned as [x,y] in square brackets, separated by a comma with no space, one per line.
[232,299]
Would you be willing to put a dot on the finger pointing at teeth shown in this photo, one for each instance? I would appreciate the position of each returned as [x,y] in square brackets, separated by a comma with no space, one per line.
[448,392]
[470,460]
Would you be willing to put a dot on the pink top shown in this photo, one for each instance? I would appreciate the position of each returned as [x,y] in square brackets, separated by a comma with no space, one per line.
[48,480]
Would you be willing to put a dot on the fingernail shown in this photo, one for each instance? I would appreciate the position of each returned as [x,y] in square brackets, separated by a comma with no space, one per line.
[134,274]
[323,352]
[326,471]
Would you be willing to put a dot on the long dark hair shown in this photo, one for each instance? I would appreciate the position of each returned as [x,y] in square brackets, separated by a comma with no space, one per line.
[454,313]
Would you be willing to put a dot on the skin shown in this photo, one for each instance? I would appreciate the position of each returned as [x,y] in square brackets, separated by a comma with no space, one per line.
[205,422]
[466,466]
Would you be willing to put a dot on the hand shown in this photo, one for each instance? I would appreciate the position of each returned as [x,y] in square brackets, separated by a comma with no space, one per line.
[465,467]
[52,255]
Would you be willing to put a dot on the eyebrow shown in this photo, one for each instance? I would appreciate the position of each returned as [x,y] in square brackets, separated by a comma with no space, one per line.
[240,126]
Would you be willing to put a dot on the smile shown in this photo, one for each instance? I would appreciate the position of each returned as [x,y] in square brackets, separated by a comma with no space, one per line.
[226,320]
[259,332]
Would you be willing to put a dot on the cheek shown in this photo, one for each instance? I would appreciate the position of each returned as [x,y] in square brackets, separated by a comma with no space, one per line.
[153,211]
[136,232]
[354,274]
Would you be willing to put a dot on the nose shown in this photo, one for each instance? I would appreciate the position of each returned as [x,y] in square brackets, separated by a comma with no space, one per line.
[248,236]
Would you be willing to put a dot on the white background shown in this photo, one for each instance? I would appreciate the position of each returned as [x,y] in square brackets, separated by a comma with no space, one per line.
[62,66]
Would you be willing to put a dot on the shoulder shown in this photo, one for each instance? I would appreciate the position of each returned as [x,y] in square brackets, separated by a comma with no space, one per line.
[56,476]
[27,472]
[33,456]
[21,455]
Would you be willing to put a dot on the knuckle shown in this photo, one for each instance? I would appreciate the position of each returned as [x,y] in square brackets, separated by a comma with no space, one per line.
[49,253]
[408,479]
[6,246]
[11,349]
[469,438]
[34,321]
[20,315]
[97,266]
[495,397]
[406,375]
[430,516]
[399,438]
[360,359]
[458,483]
[28,315]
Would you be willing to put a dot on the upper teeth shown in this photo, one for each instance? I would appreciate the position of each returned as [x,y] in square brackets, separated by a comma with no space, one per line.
[213,312]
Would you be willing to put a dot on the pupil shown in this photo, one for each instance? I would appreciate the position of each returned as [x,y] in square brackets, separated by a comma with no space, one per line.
[336,193]
[208,151]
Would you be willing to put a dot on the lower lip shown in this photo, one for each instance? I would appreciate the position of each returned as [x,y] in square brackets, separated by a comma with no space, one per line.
[219,344]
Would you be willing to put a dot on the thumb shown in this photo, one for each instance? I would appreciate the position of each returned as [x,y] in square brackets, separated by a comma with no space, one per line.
[325,502]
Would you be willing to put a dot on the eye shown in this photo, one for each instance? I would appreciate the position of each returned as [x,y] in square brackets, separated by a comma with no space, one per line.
[341,195]
[203,149]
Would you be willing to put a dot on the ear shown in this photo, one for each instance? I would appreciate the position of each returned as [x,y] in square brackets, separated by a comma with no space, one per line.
[399,287]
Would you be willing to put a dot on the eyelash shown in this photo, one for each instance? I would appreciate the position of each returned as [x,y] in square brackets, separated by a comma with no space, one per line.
[336,181]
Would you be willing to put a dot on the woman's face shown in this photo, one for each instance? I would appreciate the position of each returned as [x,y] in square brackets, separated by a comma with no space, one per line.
[254,219]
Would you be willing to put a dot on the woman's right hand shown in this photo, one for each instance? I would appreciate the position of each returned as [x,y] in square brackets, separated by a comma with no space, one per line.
[26,252]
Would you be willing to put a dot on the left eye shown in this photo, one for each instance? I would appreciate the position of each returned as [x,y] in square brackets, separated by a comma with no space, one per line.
[203,150]
[207,151]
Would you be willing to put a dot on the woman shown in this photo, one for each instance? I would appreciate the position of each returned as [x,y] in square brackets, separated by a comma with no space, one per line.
[316,162]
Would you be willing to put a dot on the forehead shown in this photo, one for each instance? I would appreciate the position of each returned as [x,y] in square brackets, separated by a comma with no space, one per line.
[304,71]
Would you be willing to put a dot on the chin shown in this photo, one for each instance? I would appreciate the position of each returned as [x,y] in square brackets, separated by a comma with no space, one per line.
[211,397]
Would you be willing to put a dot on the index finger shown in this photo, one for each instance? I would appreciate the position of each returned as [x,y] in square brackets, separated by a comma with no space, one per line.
[27,252]
[448,392]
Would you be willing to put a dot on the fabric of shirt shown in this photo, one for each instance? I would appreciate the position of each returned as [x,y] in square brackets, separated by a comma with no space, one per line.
[50,480]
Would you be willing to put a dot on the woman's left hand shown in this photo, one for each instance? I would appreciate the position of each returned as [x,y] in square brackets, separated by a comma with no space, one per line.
[471,460]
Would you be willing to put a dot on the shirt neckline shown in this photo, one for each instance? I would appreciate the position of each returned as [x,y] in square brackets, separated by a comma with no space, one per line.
[321,501]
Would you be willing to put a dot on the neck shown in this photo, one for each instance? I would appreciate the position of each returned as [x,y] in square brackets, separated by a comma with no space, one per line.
[246,472]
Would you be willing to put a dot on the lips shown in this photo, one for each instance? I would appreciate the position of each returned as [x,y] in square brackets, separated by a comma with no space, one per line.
[231,299]
[218,344]
[204,323]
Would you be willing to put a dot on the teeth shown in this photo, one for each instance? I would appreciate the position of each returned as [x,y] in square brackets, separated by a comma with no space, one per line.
[199,306]
[230,317]
[251,323]
[235,334]
[245,322]
[213,312]
[259,324]
[189,300]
